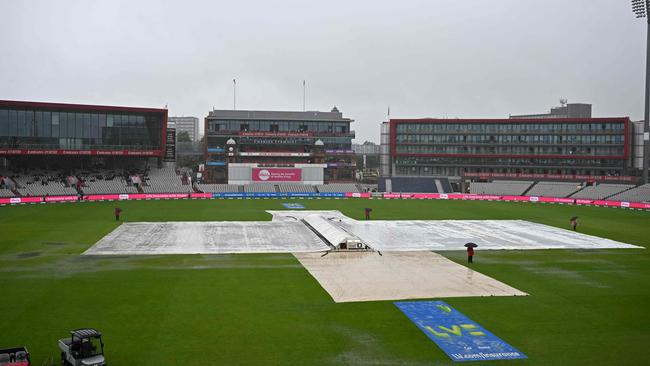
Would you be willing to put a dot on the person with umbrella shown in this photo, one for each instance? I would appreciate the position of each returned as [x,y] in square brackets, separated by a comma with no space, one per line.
[367,211]
[470,252]
[118,211]
[574,222]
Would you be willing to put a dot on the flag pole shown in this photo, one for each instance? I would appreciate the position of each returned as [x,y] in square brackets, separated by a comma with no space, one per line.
[303,95]
[234,94]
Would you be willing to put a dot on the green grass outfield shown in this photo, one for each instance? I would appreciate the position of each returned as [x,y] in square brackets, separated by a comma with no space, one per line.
[586,307]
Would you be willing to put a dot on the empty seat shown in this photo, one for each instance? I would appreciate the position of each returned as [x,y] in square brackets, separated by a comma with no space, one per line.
[218,188]
[637,194]
[338,187]
[601,191]
[553,189]
[511,188]
[165,180]
[260,188]
[296,188]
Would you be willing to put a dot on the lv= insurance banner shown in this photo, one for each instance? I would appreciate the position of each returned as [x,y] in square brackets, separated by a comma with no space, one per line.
[457,335]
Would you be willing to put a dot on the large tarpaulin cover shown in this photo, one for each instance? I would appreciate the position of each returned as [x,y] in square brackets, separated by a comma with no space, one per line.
[441,235]
[208,238]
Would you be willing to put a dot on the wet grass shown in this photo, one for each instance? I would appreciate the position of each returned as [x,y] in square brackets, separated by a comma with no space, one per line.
[586,306]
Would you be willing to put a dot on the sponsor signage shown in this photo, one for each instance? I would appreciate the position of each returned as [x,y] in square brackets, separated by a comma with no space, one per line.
[555,199]
[101,197]
[276,134]
[200,195]
[588,178]
[274,153]
[61,198]
[392,195]
[358,195]
[338,165]
[461,338]
[140,196]
[276,174]
[170,145]
[338,151]
[14,200]
[134,196]
[276,141]
[293,206]
[276,194]
[80,152]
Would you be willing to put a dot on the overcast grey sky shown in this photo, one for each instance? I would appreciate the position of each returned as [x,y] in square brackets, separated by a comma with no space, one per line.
[433,58]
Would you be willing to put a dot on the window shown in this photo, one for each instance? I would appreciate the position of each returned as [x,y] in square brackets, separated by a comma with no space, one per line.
[86,125]
[93,131]
[21,124]
[47,124]
[4,122]
[13,119]
[38,124]
[55,124]
[73,120]
[109,120]
[102,125]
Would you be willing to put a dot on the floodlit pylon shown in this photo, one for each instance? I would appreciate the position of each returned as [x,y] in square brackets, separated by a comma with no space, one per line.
[640,9]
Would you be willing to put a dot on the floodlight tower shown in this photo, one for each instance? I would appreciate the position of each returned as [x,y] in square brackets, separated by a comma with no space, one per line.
[641,9]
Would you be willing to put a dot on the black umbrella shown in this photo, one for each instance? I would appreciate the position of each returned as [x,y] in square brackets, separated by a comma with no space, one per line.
[574,218]
[470,245]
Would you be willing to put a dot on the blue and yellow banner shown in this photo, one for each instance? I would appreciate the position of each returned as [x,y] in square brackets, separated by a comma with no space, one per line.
[457,335]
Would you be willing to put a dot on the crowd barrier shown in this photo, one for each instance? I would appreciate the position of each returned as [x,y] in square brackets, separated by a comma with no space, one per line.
[441,196]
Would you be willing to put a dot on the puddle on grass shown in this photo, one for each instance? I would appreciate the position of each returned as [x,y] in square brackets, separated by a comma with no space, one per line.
[363,349]
[55,243]
[70,265]
[568,275]
[28,255]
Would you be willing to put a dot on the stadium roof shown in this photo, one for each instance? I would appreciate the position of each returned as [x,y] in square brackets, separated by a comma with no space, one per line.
[278,115]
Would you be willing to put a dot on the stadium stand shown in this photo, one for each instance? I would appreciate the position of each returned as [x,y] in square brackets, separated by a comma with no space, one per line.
[6,185]
[513,188]
[338,187]
[638,194]
[41,183]
[601,191]
[296,187]
[106,183]
[553,189]
[260,188]
[408,184]
[218,188]
[446,186]
[165,180]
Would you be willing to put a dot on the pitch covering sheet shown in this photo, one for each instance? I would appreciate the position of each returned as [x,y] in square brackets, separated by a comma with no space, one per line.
[441,235]
[208,238]
[287,233]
